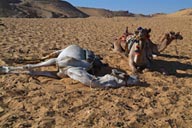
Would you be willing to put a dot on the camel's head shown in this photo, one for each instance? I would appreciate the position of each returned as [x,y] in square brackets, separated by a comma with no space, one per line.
[142,34]
[174,35]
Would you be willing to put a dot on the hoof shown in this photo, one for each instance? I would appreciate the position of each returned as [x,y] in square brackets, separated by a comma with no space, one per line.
[4,70]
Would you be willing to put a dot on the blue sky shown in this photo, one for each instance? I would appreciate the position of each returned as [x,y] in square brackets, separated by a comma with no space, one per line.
[136,6]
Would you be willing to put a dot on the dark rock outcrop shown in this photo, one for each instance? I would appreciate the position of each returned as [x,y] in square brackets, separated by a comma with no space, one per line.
[39,9]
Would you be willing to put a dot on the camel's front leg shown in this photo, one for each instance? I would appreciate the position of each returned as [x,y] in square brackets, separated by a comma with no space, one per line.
[108,80]
[126,49]
[81,75]
[132,64]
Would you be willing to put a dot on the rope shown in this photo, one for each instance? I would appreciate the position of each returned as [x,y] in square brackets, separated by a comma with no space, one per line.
[176,49]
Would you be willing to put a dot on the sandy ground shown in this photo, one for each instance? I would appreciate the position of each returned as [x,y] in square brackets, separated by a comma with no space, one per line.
[43,102]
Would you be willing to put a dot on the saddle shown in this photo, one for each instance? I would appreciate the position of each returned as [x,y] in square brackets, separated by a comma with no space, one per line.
[93,59]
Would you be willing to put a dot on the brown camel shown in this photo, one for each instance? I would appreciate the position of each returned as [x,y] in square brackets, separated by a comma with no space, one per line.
[138,59]
[149,48]
[119,44]
[167,39]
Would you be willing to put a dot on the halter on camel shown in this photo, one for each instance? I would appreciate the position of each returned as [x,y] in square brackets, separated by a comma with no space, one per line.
[139,35]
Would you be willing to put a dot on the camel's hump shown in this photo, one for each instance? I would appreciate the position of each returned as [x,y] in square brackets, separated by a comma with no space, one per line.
[74,51]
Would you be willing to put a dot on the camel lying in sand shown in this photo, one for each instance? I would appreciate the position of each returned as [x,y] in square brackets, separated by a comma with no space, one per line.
[135,46]
[121,45]
[167,39]
[129,47]
[138,58]
[74,62]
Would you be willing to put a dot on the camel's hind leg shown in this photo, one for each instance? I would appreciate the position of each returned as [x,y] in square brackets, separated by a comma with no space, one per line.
[50,62]
[117,46]
[11,69]
[26,69]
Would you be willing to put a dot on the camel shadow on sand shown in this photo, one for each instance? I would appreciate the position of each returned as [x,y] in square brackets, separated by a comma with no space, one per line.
[174,68]
[174,56]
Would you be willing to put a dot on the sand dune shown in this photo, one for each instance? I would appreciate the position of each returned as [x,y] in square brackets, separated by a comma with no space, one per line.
[183,12]
[104,12]
[27,101]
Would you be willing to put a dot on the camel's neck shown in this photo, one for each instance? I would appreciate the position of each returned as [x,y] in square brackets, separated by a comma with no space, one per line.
[165,42]
[139,58]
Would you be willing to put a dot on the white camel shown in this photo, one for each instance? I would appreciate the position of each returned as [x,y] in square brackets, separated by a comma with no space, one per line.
[74,62]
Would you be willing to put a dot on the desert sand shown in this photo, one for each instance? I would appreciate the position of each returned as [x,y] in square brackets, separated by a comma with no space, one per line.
[26,101]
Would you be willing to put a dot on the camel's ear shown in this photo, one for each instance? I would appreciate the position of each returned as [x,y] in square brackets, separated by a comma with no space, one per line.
[149,30]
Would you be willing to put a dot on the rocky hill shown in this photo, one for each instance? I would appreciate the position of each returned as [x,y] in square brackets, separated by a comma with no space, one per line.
[104,12]
[52,9]
[39,9]
[63,9]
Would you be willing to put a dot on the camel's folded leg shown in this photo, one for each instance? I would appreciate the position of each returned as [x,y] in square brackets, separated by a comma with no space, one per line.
[80,74]
[117,46]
